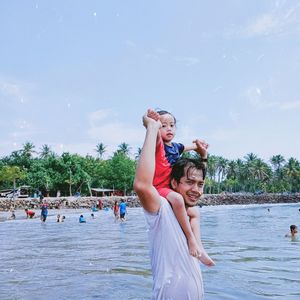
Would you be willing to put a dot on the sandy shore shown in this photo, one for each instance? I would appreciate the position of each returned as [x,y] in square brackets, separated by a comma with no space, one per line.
[133,201]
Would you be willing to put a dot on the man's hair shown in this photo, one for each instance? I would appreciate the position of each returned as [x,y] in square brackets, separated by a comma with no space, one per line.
[178,169]
[164,112]
[293,227]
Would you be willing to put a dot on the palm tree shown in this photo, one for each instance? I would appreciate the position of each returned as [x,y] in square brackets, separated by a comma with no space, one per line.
[45,151]
[124,149]
[28,149]
[138,153]
[100,149]
[292,172]
[261,170]
[250,157]
[277,161]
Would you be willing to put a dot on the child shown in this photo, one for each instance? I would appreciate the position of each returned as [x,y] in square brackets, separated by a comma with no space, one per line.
[116,210]
[29,213]
[167,153]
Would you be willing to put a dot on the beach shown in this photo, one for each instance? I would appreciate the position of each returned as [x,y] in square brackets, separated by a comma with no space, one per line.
[133,201]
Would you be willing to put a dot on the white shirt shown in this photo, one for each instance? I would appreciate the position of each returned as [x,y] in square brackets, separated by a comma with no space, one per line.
[176,274]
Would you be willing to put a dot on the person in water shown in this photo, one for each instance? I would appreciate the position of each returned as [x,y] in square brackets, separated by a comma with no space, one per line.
[293,232]
[176,274]
[44,212]
[29,213]
[167,153]
[82,219]
[116,210]
[123,210]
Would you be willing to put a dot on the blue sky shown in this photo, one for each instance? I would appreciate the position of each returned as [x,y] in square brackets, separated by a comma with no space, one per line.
[77,73]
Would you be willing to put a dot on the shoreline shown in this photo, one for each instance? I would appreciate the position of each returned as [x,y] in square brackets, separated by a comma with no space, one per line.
[133,201]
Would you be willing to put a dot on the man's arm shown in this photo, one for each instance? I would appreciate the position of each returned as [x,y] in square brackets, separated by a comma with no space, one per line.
[143,186]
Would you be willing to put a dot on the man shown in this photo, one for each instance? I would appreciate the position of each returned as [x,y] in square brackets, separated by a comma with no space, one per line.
[293,232]
[176,274]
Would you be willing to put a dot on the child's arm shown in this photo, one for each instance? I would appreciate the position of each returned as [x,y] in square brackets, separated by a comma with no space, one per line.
[198,145]
[190,148]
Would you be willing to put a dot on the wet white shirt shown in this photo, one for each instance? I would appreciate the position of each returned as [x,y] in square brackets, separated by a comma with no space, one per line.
[176,274]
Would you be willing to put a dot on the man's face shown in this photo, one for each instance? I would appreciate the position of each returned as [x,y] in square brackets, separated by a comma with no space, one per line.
[190,186]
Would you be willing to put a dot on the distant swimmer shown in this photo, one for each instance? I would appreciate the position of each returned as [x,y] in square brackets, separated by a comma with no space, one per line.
[82,219]
[29,213]
[13,215]
[293,232]
[44,212]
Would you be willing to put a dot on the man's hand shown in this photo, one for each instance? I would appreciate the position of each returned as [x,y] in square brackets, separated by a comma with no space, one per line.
[202,147]
[150,117]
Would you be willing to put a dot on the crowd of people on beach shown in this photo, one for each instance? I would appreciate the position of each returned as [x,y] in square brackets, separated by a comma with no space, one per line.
[119,212]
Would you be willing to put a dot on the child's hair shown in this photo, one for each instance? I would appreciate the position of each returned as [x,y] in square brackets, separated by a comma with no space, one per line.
[164,112]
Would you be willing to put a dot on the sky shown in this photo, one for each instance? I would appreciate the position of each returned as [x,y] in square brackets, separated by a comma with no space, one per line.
[74,74]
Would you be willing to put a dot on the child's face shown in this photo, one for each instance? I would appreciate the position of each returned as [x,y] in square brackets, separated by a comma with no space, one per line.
[168,128]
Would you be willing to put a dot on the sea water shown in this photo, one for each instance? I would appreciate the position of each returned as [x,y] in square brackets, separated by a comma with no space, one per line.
[104,259]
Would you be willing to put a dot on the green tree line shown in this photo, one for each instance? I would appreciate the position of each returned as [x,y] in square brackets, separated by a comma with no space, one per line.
[71,173]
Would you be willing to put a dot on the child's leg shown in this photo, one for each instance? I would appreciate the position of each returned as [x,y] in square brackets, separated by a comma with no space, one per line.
[180,212]
[194,214]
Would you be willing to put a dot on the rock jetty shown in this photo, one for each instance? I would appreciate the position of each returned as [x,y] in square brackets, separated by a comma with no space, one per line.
[133,201]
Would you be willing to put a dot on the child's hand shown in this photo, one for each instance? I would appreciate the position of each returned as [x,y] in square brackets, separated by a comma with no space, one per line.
[202,147]
[153,114]
[148,119]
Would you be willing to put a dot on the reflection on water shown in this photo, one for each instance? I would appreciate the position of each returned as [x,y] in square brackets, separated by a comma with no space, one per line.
[103,259]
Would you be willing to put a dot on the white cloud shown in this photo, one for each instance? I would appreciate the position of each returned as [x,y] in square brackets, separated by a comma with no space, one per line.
[161,51]
[281,20]
[257,99]
[106,128]
[234,116]
[188,61]
[11,89]
[14,89]
[289,105]
[223,134]
[131,44]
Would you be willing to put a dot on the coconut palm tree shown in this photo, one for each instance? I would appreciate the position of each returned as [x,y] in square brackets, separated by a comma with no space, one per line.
[100,149]
[138,153]
[292,173]
[124,148]
[221,169]
[277,161]
[45,151]
[28,149]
